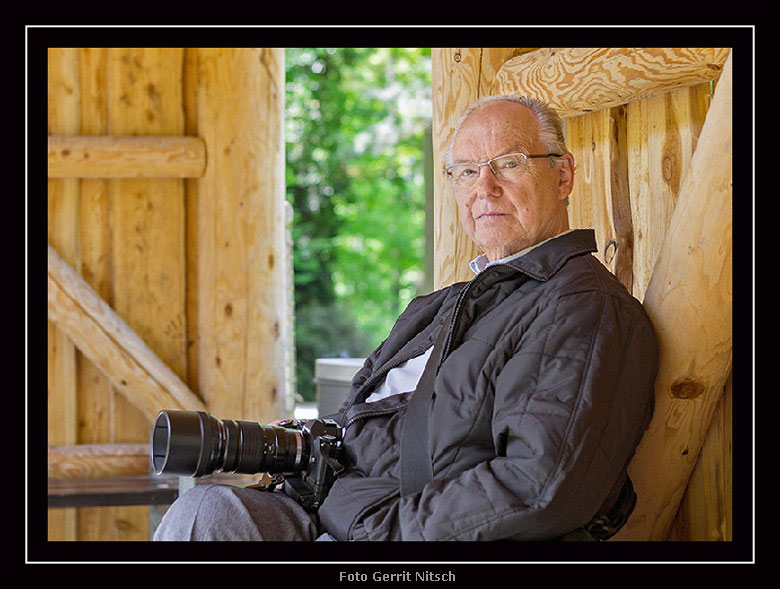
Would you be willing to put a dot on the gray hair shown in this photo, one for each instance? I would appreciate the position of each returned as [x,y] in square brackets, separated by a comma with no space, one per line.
[550,124]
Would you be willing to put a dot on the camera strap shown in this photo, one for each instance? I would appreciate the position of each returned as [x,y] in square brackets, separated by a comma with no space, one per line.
[416,459]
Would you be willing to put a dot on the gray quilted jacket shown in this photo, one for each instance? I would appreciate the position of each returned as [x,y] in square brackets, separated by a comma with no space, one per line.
[539,404]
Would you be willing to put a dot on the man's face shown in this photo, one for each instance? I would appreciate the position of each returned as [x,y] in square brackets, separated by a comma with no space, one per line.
[505,216]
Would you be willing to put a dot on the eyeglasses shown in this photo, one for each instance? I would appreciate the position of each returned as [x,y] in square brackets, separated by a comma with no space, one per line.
[509,167]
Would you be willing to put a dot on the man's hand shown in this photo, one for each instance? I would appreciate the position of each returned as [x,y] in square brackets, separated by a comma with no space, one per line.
[281,422]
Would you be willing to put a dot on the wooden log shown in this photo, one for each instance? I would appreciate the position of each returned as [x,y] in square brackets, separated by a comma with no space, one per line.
[705,510]
[95,395]
[126,156]
[94,230]
[239,233]
[94,461]
[689,301]
[102,336]
[600,197]
[64,117]
[144,91]
[63,200]
[619,254]
[578,80]
[589,139]
[663,131]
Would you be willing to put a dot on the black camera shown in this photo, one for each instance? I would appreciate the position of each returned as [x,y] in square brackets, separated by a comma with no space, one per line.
[306,455]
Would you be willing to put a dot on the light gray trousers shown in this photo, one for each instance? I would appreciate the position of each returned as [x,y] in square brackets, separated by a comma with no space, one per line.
[227,513]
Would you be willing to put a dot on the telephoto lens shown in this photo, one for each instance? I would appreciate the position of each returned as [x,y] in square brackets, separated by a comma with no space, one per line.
[195,443]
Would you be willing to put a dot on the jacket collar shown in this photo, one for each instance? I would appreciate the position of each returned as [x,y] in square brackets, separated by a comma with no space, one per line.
[544,259]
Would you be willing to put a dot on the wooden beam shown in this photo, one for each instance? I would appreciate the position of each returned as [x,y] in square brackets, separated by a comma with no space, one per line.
[238,233]
[93,461]
[126,156]
[101,335]
[689,301]
[578,80]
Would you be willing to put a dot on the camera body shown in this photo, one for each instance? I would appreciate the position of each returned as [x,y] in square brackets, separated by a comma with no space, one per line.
[306,455]
[310,485]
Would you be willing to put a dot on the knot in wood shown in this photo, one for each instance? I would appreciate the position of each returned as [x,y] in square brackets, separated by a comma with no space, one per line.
[686,388]
[667,168]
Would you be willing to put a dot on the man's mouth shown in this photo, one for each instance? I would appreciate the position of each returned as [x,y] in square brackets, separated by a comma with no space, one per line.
[489,215]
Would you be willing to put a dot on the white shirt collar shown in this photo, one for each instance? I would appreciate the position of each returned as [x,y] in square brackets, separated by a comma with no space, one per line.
[481,262]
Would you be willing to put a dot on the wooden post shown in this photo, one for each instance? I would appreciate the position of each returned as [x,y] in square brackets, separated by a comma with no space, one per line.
[239,230]
[64,117]
[144,90]
[94,390]
[600,198]
[689,302]
[590,139]
[621,259]
[663,131]
[94,229]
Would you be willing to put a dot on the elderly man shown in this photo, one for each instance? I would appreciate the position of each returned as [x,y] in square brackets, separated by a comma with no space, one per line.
[507,407]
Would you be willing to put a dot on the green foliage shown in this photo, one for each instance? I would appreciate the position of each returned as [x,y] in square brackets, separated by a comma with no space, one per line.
[355,128]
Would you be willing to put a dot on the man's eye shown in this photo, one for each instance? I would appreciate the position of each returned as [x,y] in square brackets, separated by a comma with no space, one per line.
[508,164]
[469,172]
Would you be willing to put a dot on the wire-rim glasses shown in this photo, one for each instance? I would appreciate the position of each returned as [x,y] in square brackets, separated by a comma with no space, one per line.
[508,166]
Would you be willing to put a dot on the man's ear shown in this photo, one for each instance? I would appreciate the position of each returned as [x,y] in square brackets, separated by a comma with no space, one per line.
[566,178]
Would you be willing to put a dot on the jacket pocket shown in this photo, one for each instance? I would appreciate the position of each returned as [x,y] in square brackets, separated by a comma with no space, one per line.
[350,498]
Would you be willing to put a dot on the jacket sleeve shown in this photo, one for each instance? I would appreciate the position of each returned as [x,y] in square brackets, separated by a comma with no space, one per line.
[570,406]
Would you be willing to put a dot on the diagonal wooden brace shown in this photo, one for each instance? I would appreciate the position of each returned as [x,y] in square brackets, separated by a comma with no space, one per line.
[103,337]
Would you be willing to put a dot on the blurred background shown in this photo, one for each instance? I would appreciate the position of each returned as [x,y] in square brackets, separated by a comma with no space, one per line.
[357,157]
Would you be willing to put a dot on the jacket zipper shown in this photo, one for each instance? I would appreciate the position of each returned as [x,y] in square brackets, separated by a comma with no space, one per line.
[371,414]
[447,345]
[458,306]
[388,368]
[371,383]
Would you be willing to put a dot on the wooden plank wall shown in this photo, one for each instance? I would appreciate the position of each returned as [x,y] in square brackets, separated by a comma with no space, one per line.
[194,266]
[656,136]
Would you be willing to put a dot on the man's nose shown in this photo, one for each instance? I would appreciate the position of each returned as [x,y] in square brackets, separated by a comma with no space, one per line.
[487,182]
